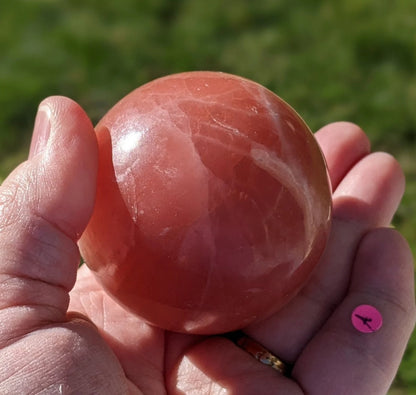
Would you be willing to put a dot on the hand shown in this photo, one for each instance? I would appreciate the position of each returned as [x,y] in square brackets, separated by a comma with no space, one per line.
[54,340]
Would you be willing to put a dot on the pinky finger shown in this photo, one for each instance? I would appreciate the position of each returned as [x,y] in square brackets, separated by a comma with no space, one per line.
[350,360]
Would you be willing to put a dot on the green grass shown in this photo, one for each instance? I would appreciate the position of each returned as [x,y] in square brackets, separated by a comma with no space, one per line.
[349,60]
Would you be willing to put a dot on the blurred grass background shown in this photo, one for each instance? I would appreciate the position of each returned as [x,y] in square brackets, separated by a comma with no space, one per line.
[331,60]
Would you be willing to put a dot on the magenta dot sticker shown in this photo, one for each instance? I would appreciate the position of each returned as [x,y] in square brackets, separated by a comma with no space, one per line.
[366,318]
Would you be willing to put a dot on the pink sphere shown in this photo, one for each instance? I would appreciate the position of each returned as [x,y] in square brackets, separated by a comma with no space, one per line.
[213,203]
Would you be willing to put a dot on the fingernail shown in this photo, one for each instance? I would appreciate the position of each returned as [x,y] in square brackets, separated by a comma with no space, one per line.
[366,319]
[41,131]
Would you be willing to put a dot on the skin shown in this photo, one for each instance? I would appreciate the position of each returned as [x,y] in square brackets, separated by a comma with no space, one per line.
[60,333]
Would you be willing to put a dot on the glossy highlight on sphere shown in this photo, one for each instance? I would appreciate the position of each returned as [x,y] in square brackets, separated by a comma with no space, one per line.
[213,203]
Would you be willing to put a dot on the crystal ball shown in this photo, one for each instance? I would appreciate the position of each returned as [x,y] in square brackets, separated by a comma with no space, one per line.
[213,203]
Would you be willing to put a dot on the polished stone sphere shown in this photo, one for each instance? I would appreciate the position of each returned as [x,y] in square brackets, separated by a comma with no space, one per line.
[213,203]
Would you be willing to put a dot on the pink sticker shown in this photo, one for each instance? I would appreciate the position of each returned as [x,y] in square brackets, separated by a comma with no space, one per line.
[366,319]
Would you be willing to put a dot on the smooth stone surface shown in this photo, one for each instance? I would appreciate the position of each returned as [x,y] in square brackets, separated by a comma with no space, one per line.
[213,203]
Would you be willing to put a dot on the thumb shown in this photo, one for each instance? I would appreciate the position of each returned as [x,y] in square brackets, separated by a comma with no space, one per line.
[45,205]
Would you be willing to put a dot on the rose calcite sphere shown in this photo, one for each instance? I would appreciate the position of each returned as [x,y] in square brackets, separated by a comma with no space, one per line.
[213,203]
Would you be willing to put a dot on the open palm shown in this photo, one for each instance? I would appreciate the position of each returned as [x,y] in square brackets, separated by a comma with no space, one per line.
[60,332]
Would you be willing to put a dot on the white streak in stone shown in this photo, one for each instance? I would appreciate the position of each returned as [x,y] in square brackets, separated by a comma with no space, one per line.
[229,128]
[292,171]
[281,171]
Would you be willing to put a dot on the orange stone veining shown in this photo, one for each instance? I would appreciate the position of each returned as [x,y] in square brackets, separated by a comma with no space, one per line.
[213,203]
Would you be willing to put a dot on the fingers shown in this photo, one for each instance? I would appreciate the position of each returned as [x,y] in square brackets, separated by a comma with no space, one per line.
[371,192]
[217,366]
[366,197]
[351,361]
[343,144]
[45,205]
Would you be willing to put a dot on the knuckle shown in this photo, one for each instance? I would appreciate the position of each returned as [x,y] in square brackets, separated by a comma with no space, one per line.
[11,198]
[16,196]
